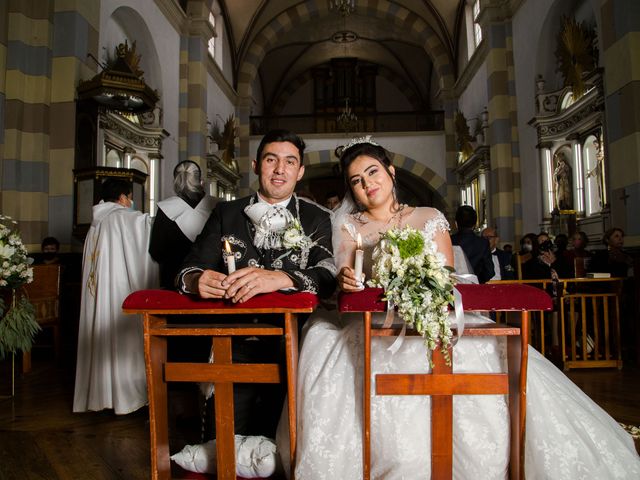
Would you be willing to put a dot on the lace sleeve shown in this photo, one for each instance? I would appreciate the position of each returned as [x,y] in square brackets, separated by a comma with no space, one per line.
[436,224]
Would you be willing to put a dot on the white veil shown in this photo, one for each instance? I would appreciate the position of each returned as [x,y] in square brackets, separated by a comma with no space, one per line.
[340,219]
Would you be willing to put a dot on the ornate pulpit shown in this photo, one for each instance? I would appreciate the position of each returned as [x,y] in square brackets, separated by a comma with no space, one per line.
[86,192]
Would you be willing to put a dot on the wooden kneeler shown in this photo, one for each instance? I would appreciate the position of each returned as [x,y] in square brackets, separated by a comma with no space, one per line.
[442,383]
[156,305]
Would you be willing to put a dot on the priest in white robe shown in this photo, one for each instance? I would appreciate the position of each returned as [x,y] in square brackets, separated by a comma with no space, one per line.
[110,371]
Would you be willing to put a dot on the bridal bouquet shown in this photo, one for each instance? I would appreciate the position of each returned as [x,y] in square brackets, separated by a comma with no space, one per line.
[17,320]
[415,279]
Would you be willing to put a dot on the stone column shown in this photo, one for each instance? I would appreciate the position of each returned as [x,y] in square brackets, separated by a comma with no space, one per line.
[621,61]
[504,176]
[193,84]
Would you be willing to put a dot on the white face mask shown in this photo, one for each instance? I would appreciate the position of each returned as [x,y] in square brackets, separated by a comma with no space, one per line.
[527,247]
[132,206]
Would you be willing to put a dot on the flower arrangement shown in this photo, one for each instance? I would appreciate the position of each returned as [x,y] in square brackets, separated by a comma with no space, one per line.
[17,320]
[416,280]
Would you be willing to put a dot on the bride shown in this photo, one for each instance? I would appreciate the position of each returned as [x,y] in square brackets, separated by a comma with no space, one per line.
[568,436]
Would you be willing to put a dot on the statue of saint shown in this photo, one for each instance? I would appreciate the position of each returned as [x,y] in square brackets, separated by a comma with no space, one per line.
[562,180]
[597,171]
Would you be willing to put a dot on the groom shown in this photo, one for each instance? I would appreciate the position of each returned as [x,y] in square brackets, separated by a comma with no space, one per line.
[279,242]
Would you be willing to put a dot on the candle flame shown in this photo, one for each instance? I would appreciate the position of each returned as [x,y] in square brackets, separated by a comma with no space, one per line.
[359,242]
[227,247]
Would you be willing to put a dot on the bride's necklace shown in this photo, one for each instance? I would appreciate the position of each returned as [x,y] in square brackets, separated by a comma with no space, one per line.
[395,219]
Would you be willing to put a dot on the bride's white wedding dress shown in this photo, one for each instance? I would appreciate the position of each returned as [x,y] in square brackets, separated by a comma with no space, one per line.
[568,436]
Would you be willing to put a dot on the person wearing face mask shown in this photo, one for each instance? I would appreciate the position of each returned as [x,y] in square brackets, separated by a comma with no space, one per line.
[528,250]
[110,372]
[50,247]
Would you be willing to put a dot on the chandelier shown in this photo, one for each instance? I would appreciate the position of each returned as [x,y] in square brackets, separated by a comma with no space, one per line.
[344,7]
[347,120]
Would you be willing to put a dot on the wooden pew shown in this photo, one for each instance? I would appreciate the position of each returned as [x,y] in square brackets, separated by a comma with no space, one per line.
[156,305]
[442,383]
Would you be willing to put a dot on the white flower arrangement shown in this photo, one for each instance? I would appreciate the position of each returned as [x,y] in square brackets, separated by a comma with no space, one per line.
[416,280]
[15,264]
[17,320]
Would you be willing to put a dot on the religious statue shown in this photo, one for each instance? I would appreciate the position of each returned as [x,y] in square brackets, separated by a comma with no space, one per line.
[597,172]
[562,182]
[225,140]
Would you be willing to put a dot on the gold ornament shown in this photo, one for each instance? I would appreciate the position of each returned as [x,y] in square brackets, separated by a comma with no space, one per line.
[576,54]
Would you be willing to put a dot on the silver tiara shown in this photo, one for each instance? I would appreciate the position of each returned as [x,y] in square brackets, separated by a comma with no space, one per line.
[357,140]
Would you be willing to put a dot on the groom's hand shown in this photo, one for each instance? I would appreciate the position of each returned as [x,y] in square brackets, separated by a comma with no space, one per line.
[210,284]
[247,282]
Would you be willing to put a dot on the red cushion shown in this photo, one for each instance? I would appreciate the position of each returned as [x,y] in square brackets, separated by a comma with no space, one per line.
[161,300]
[486,297]
[367,300]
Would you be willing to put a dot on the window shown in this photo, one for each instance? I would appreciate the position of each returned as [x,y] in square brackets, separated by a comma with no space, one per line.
[473,29]
[477,30]
[212,40]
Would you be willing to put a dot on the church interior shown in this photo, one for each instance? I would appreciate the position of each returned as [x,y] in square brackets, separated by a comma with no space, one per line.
[526,110]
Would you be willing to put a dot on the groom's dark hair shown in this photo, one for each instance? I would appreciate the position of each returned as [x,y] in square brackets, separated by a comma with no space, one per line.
[281,136]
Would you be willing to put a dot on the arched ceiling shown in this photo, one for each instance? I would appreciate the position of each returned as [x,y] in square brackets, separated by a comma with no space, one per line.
[309,43]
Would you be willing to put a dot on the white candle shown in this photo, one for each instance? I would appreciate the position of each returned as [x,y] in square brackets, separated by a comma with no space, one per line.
[229,257]
[359,259]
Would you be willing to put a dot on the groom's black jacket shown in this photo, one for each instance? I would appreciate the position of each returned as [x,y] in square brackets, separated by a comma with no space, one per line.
[229,222]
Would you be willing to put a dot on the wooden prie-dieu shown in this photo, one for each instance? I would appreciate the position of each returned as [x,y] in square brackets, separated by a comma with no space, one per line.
[156,306]
[442,384]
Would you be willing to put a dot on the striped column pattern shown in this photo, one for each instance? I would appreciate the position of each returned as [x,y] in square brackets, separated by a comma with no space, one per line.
[504,178]
[4,8]
[452,198]
[76,24]
[193,83]
[416,28]
[27,89]
[621,44]
[193,98]
[43,59]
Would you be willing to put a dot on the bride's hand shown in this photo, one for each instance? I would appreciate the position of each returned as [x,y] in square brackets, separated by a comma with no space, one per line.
[347,280]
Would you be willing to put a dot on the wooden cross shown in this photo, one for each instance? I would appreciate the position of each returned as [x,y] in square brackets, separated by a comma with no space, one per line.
[442,384]
[624,196]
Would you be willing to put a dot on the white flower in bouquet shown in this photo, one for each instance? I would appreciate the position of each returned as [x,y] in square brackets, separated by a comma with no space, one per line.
[416,280]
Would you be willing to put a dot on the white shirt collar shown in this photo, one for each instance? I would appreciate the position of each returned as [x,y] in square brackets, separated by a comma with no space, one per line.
[283,203]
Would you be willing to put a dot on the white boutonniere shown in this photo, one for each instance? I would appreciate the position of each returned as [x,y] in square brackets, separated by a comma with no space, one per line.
[294,237]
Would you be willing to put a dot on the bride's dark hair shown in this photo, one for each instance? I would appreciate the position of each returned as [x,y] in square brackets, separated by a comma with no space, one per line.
[348,155]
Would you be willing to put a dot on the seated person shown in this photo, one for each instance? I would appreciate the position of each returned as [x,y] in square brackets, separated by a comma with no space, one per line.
[614,259]
[281,242]
[528,247]
[50,248]
[545,264]
[578,255]
[501,259]
[475,248]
